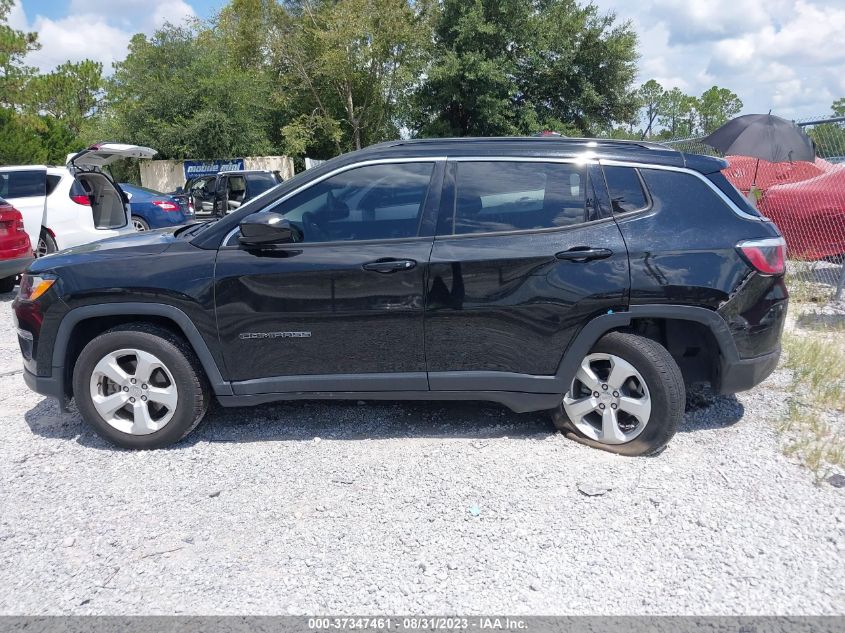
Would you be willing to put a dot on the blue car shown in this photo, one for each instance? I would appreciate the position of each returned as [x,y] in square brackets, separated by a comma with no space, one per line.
[153,209]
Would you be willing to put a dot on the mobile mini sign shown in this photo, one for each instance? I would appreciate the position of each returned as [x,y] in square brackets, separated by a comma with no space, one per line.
[194,168]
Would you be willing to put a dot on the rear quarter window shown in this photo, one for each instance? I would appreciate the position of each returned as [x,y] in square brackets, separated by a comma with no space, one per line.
[626,189]
[725,186]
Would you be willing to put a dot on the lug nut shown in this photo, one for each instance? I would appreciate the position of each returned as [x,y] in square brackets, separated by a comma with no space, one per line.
[595,394]
[601,406]
[143,386]
[131,399]
[615,394]
[133,381]
[126,388]
[612,406]
[143,398]
[604,387]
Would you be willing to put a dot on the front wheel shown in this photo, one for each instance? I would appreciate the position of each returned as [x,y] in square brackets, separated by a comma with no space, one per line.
[140,387]
[627,397]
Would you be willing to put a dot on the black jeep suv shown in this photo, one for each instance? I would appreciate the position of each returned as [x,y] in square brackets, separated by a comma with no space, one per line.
[591,278]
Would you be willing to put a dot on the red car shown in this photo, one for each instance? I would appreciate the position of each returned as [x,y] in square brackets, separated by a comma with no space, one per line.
[805,200]
[15,249]
[810,214]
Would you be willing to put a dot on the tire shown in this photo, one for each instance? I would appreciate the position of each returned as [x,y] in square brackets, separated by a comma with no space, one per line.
[140,223]
[654,391]
[46,244]
[7,284]
[177,381]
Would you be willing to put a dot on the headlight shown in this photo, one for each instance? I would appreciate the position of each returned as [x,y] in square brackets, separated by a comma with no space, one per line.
[33,286]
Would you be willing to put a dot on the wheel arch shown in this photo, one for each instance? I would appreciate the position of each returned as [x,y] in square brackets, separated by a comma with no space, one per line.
[73,335]
[709,322]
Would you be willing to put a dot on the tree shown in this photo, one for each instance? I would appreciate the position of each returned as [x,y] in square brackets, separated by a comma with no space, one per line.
[71,93]
[830,137]
[344,67]
[716,107]
[673,111]
[14,46]
[179,92]
[504,67]
[652,99]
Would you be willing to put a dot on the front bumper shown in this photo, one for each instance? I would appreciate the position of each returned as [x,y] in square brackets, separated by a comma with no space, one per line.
[745,373]
[49,386]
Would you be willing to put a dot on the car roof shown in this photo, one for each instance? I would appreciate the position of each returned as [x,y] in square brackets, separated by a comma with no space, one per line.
[247,171]
[645,152]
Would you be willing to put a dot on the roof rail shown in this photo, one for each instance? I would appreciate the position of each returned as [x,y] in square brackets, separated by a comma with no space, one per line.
[562,140]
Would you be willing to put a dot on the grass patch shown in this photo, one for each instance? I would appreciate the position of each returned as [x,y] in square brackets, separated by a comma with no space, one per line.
[813,435]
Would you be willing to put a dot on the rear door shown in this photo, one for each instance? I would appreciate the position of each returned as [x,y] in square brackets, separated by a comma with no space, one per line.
[25,188]
[525,253]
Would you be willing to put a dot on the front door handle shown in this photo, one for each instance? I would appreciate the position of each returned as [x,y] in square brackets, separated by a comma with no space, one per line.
[385,266]
[584,254]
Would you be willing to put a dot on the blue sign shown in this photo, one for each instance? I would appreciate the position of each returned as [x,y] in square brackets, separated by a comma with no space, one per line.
[194,168]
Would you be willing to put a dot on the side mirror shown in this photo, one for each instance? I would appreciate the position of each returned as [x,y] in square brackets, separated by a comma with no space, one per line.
[180,189]
[267,228]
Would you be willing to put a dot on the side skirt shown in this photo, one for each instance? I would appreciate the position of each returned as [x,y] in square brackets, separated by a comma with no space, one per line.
[516,401]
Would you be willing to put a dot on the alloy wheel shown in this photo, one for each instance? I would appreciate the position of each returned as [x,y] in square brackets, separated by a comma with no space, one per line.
[608,400]
[41,249]
[139,226]
[133,391]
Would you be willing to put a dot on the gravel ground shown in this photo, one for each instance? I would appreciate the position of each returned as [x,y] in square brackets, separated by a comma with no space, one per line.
[409,508]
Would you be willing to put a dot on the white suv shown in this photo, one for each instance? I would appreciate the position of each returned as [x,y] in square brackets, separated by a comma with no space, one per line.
[72,205]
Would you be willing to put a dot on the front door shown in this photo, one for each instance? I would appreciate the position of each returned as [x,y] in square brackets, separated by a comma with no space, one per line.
[342,308]
[525,254]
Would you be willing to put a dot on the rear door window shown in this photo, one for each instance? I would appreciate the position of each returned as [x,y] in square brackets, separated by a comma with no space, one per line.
[625,188]
[23,183]
[502,196]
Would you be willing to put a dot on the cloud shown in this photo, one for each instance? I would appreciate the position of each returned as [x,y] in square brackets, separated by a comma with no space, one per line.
[775,54]
[96,30]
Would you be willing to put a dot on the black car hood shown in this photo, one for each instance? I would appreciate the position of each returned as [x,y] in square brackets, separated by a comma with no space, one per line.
[131,245]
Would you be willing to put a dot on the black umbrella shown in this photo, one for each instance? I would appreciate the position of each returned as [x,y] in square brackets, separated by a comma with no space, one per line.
[764,137]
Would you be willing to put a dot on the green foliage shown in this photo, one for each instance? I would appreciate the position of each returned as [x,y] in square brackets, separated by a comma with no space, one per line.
[70,93]
[178,92]
[716,107]
[14,45]
[681,115]
[503,67]
[830,137]
[652,99]
[344,68]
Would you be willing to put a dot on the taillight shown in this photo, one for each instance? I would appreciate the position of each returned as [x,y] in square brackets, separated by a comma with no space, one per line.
[766,256]
[82,199]
[34,286]
[14,242]
[165,205]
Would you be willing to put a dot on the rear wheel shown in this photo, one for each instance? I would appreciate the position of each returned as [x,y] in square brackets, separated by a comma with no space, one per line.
[46,244]
[7,284]
[627,397]
[140,387]
[140,223]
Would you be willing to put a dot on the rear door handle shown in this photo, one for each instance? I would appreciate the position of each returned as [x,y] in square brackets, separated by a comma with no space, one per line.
[385,266]
[584,254]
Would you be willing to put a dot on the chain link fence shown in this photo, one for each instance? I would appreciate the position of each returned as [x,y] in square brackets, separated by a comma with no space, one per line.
[805,200]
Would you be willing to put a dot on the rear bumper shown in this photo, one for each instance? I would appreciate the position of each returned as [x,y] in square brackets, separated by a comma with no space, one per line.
[49,386]
[12,267]
[745,373]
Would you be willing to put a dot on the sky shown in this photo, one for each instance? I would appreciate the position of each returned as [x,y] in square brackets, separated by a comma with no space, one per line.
[786,56]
